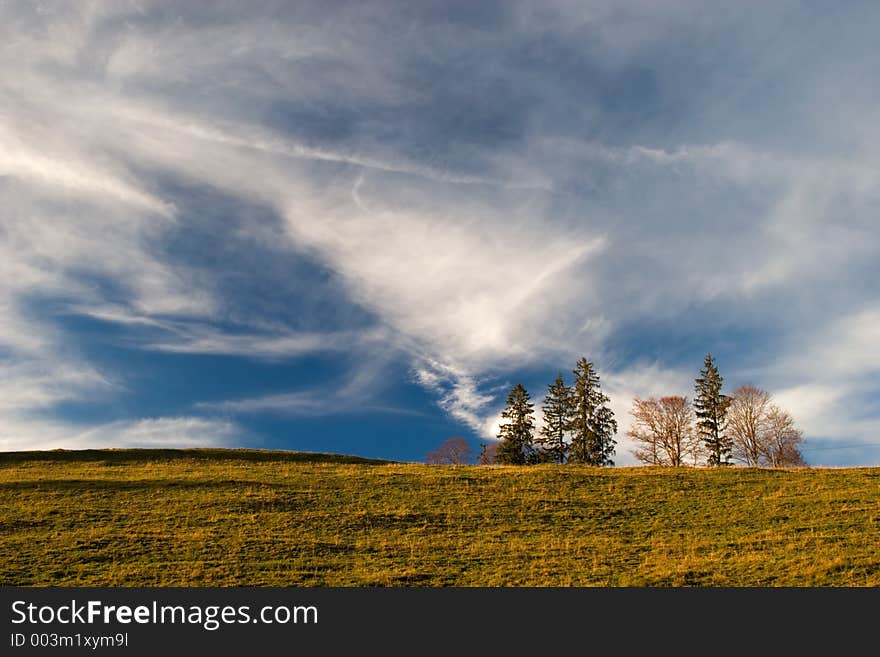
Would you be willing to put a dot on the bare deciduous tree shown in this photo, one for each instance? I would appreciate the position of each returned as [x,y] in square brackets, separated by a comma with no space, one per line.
[488,454]
[454,451]
[664,430]
[781,439]
[762,433]
[746,419]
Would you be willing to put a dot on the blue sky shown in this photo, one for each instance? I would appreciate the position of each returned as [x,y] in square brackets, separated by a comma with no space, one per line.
[351,227]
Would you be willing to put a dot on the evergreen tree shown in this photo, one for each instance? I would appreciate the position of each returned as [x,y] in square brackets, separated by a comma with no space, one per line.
[516,436]
[592,425]
[558,412]
[710,407]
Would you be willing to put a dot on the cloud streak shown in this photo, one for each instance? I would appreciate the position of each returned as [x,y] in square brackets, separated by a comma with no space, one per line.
[160,432]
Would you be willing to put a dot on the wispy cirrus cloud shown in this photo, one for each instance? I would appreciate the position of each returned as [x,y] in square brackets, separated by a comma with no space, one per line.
[359,392]
[254,345]
[167,432]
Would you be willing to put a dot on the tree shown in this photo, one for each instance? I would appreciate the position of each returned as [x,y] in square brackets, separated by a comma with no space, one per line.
[710,407]
[663,428]
[746,420]
[454,451]
[592,425]
[781,439]
[558,412]
[488,454]
[516,436]
[761,432]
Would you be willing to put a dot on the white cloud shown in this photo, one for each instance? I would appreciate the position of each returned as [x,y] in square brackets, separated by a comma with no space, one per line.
[116,314]
[146,433]
[29,385]
[359,390]
[828,380]
[65,172]
[847,347]
[466,285]
[458,394]
[192,340]
[306,403]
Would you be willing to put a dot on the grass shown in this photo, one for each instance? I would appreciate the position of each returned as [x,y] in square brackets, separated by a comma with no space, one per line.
[256,518]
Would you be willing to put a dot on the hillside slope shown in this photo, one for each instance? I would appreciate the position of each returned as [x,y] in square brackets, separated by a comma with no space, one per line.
[226,518]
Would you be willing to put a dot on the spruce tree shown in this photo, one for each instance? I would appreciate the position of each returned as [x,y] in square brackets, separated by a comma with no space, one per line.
[593,425]
[710,407]
[558,412]
[516,436]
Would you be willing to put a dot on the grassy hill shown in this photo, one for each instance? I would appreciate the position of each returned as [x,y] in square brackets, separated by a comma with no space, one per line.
[238,517]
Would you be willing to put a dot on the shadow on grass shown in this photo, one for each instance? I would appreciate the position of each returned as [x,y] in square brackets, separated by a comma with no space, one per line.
[110,456]
[95,485]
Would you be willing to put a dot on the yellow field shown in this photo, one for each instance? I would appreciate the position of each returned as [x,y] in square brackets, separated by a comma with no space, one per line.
[233,518]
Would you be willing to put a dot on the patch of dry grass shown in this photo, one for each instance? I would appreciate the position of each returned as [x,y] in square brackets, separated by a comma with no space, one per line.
[230,518]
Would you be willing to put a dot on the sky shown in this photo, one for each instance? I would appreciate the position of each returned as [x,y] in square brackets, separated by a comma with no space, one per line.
[352,227]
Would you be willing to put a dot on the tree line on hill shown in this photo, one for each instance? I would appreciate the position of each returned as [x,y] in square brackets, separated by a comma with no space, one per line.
[746,427]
